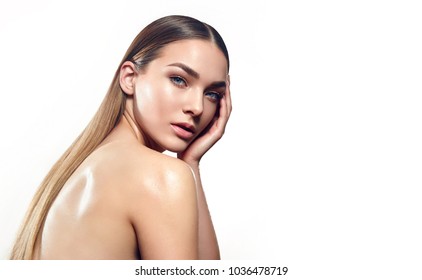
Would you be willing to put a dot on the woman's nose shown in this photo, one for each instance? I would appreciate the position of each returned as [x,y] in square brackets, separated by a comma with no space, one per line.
[194,103]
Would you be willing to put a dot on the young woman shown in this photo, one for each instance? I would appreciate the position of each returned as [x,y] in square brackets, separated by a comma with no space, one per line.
[114,194]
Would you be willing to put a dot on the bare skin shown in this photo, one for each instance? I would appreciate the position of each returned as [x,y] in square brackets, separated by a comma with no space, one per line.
[127,200]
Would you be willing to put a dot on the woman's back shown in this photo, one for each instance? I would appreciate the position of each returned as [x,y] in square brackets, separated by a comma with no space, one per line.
[107,200]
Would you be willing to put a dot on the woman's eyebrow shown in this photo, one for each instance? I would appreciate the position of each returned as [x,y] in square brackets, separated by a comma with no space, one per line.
[195,74]
[187,69]
[221,84]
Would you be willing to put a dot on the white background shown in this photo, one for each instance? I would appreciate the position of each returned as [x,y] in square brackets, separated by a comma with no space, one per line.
[321,163]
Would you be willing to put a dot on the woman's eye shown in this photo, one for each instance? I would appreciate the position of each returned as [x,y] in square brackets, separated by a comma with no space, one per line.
[214,95]
[178,81]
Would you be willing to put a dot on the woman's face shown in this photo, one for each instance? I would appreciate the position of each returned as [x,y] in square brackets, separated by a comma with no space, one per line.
[177,95]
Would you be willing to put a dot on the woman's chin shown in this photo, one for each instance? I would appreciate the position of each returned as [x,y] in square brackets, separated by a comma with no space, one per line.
[176,147]
[175,150]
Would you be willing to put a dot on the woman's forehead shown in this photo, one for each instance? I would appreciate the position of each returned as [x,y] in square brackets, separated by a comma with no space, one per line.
[200,55]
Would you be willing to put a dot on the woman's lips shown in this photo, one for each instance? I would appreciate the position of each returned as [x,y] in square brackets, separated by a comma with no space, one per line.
[183,130]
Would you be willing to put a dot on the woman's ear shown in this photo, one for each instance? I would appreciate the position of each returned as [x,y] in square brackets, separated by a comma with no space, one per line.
[127,77]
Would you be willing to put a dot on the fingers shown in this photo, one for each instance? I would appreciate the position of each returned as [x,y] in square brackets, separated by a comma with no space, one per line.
[228,96]
[224,113]
[226,102]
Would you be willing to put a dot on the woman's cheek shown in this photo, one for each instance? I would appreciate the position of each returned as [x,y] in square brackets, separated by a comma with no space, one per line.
[146,99]
[210,111]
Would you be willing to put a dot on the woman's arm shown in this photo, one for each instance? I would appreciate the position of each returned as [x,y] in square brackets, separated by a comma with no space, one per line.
[164,213]
[208,244]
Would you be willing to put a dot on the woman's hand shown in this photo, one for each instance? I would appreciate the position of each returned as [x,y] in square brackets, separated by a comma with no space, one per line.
[211,134]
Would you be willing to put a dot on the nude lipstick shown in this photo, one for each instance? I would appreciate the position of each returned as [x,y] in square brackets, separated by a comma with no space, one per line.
[183,130]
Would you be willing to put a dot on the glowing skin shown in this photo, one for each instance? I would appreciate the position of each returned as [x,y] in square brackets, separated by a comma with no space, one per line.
[183,86]
[128,201]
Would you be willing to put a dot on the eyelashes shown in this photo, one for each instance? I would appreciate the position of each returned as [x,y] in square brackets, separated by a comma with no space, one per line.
[178,81]
[182,83]
[214,95]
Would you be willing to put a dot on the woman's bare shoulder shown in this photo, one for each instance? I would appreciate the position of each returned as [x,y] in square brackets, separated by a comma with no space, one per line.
[140,169]
[163,208]
[160,199]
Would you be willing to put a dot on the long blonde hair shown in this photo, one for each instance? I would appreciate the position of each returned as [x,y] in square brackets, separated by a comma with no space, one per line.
[144,48]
